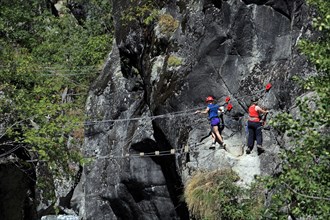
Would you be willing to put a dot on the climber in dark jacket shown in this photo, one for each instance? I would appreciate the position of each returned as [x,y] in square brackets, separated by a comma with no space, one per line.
[212,110]
[255,125]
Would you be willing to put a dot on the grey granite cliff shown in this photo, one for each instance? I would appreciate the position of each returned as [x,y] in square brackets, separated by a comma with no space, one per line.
[167,67]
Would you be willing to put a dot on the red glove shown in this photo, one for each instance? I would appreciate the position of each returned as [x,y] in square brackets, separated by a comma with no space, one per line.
[229,107]
[268,86]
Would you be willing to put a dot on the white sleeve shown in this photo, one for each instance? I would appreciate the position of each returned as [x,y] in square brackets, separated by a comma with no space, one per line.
[258,109]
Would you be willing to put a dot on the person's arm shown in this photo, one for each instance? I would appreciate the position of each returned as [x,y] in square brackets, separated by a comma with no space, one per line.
[262,111]
[221,109]
[204,111]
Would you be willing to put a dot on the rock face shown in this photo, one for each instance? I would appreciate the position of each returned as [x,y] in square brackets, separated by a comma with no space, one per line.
[158,73]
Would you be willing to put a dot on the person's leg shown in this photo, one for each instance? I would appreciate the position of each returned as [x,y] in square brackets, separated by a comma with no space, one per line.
[217,134]
[220,127]
[220,132]
[260,150]
[221,124]
[213,138]
[251,136]
[259,134]
[215,129]
[246,133]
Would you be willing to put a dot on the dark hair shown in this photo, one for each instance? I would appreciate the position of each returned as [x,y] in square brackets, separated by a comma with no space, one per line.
[254,99]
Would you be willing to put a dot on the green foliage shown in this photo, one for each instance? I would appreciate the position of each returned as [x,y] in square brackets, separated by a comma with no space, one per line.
[167,24]
[174,61]
[301,190]
[144,12]
[16,19]
[42,58]
[215,195]
[99,20]
[318,51]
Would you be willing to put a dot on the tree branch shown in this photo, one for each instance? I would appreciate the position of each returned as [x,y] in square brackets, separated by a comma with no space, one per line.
[17,122]
[304,195]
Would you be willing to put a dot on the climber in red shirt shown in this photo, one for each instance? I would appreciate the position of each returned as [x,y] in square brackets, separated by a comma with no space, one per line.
[255,125]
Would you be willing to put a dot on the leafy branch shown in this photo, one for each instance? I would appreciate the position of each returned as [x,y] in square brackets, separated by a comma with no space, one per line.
[307,196]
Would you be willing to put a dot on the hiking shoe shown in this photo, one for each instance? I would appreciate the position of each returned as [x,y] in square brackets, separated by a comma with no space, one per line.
[260,149]
[222,145]
[213,146]
[248,151]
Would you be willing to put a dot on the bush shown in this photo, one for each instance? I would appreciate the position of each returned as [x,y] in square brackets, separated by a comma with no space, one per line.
[167,24]
[215,196]
[174,61]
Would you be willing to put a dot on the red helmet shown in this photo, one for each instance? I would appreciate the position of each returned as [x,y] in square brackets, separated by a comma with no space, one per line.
[209,99]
